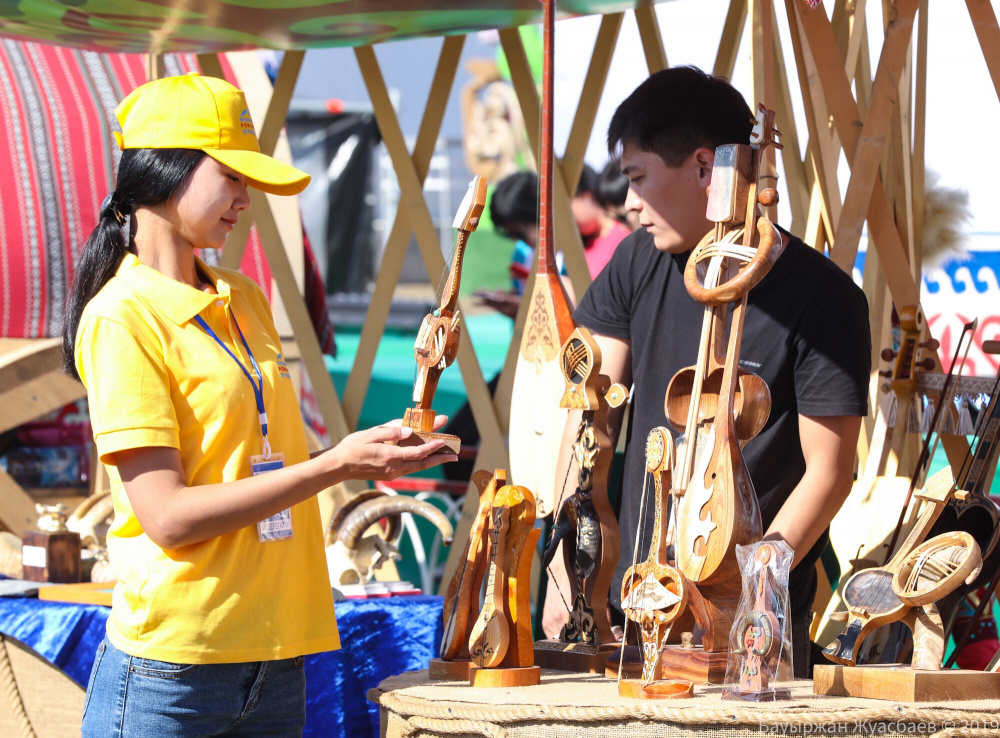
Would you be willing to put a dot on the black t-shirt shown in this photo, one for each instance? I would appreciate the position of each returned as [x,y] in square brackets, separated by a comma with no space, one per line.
[806,334]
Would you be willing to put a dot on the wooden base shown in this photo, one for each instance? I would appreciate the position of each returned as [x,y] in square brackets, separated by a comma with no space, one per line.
[453,444]
[664,689]
[765,695]
[696,665]
[900,682]
[515,676]
[449,671]
[577,657]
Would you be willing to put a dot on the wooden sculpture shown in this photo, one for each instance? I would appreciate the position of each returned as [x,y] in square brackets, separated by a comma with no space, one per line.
[536,418]
[461,601]
[861,531]
[500,642]
[654,593]
[585,524]
[437,340]
[759,630]
[718,407]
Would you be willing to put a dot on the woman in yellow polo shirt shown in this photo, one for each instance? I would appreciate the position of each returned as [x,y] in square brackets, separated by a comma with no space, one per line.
[216,539]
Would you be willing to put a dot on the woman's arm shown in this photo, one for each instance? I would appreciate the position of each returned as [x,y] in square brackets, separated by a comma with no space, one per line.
[175,515]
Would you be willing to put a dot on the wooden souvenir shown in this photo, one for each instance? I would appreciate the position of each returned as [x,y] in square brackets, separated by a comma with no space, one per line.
[500,642]
[939,567]
[437,340]
[585,524]
[759,631]
[924,575]
[461,601]
[51,553]
[718,407]
[653,592]
[863,529]
[536,418]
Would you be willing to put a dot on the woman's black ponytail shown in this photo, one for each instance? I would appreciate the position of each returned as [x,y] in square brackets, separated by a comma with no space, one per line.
[146,177]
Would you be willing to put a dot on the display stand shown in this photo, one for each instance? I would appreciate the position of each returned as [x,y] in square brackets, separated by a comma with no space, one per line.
[899,682]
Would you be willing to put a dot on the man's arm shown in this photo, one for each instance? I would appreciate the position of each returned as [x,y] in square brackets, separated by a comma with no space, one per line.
[828,445]
[616,363]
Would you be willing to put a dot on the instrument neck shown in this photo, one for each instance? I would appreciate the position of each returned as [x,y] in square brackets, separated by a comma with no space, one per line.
[449,295]
[546,230]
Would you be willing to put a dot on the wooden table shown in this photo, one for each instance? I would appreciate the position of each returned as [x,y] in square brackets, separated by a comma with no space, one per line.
[568,705]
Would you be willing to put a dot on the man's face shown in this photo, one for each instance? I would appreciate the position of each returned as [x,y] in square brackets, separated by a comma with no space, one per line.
[670,201]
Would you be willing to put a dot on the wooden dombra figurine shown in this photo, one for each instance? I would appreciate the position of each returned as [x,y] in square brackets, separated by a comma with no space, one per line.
[760,643]
[584,521]
[717,407]
[437,341]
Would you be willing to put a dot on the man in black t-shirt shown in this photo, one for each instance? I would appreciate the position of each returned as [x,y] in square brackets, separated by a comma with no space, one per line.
[806,332]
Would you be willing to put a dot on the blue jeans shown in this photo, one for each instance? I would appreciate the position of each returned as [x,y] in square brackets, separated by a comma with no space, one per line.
[131,696]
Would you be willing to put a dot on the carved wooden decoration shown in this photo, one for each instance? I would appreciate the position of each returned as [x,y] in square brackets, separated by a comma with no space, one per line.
[461,601]
[585,524]
[500,642]
[654,593]
[437,340]
[758,636]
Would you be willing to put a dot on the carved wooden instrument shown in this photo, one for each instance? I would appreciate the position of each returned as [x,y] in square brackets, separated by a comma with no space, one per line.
[462,596]
[536,419]
[585,522]
[869,595]
[715,404]
[491,633]
[437,340]
[860,532]
[653,592]
[522,538]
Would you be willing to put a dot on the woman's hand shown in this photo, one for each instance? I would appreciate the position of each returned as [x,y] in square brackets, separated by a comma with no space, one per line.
[374,454]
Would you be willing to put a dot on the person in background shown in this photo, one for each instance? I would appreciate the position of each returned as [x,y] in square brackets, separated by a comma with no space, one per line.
[600,231]
[611,191]
[216,541]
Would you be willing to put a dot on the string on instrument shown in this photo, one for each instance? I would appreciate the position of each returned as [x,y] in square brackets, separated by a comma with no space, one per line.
[926,453]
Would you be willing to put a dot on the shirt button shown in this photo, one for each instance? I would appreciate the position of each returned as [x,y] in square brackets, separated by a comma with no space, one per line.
[220,303]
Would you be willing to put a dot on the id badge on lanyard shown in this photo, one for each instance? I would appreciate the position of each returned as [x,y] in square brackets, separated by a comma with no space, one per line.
[277,527]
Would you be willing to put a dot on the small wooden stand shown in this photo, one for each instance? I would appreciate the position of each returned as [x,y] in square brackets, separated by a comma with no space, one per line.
[449,671]
[514,676]
[662,689]
[453,444]
[695,664]
[770,694]
[586,658]
[901,682]
[51,557]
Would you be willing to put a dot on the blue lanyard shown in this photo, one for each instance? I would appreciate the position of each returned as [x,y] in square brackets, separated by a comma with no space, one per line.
[258,386]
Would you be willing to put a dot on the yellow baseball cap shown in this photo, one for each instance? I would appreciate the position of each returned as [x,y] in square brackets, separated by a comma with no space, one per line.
[205,113]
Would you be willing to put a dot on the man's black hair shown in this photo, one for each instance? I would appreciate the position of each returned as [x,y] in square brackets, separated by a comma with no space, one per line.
[678,110]
[515,203]
[588,181]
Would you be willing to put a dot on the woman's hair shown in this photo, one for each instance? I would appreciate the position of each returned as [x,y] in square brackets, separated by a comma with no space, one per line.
[145,177]
[515,203]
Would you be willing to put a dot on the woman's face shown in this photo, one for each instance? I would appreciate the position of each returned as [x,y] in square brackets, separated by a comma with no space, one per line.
[205,208]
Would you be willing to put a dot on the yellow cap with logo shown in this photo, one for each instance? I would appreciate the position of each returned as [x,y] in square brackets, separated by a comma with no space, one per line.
[205,113]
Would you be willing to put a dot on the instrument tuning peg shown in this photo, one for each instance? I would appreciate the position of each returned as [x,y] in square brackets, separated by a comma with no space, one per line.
[927,364]
[768,197]
[931,344]
[888,354]
[885,373]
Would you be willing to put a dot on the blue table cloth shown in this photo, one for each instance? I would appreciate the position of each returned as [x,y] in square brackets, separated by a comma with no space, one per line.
[379,637]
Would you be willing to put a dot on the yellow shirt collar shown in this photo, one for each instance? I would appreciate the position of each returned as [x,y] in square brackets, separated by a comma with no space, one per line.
[178,301]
